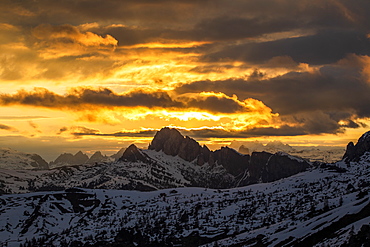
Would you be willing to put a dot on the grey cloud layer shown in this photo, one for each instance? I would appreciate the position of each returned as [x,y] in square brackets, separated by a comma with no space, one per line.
[317,102]
[325,47]
[89,99]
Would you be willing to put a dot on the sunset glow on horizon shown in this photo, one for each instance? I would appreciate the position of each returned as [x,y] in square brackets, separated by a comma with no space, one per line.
[99,75]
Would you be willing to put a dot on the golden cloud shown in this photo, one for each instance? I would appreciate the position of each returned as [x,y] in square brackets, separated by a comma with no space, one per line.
[67,40]
[87,98]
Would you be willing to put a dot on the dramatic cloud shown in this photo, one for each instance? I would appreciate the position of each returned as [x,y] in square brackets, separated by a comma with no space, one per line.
[327,46]
[67,40]
[213,68]
[320,100]
[90,99]
[206,133]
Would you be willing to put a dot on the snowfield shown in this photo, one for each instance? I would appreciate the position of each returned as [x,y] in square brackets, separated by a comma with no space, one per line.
[320,207]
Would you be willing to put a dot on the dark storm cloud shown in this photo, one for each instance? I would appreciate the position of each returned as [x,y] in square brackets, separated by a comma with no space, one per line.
[332,88]
[214,104]
[83,97]
[191,20]
[231,28]
[207,133]
[90,99]
[321,102]
[325,47]
[142,133]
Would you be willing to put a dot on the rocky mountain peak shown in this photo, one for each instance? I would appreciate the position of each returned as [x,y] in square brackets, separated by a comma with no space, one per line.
[80,158]
[172,142]
[69,159]
[354,152]
[119,154]
[132,153]
[167,140]
[96,157]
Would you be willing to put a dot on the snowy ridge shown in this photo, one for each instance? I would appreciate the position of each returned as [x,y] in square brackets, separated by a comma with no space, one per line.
[326,205]
[156,171]
[11,159]
[163,171]
[316,207]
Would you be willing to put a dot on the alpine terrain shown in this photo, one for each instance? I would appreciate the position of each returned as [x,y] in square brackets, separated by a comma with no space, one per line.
[179,193]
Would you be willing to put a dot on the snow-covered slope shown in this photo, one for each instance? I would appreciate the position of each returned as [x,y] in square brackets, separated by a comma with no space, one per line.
[12,159]
[318,207]
[161,171]
[181,163]
[327,205]
[158,171]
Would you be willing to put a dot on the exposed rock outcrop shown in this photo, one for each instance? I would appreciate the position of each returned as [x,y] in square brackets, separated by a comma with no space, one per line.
[80,158]
[354,152]
[69,159]
[96,157]
[281,165]
[234,162]
[247,169]
[119,154]
[172,142]
[39,162]
[132,153]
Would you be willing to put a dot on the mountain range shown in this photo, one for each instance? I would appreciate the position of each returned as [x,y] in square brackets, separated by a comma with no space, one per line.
[179,193]
[321,154]
[171,160]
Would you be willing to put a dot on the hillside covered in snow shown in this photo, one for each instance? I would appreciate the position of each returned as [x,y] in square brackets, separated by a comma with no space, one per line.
[12,160]
[320,205]
[171,161]
[326,206]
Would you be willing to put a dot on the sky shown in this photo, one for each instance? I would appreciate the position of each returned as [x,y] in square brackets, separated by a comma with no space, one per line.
[100,74]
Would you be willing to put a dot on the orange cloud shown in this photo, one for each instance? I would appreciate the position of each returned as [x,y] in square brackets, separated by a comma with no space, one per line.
[89,98]
[64,40]
[8,128]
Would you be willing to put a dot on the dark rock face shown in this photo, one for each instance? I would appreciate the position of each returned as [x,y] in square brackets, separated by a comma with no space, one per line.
[77,159]
[80,158]
[257,165]
[281,165]
[132,153]
[96,157]
[119,154]
[171,142]
[168,140]
[265,167]
[39,163]
[65,158]
[354,152]
[246,169]
[234,162]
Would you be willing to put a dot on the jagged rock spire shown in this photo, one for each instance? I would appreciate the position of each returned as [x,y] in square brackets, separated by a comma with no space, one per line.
[172,142]
[354,152]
